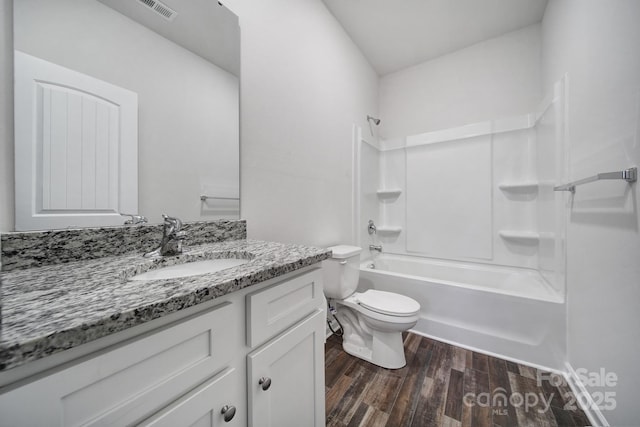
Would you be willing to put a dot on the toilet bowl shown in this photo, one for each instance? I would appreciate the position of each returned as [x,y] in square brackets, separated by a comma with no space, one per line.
[372,321]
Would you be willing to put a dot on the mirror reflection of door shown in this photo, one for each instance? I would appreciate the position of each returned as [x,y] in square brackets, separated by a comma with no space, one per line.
[185,72]
[76,147]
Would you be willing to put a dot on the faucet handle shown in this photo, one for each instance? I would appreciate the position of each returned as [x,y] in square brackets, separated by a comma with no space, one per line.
[172,221]
[134,219]
[371,227]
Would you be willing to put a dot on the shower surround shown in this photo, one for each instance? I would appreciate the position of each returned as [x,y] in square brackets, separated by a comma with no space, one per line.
[471,228]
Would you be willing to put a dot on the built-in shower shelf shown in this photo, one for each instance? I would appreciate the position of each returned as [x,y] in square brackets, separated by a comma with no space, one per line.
[519,187]
[546,235]
[389,193]
[520,236]
[389,229]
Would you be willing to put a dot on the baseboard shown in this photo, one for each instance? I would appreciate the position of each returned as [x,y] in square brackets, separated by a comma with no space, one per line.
[489,353]
[591,410]
[328,333]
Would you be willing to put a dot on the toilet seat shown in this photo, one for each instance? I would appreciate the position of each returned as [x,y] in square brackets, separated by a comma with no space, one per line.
[372,321]
[388,303]
[383,321]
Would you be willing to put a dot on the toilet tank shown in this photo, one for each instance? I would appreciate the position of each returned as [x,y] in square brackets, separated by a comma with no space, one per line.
[341,272]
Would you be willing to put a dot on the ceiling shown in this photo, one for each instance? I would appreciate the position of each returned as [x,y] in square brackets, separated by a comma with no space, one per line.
[204,27]
[398,34]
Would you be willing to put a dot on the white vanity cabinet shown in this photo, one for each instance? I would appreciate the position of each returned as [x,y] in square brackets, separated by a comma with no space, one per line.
[206,405]
[195,370]
[285,376]
[123,385]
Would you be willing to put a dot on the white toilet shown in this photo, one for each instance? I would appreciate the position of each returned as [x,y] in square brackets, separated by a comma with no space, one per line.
[372,321]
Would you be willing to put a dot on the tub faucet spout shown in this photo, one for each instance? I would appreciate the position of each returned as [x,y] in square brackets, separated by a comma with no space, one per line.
[375,248]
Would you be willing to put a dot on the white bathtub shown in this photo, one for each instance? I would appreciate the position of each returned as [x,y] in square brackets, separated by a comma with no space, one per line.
[508,312]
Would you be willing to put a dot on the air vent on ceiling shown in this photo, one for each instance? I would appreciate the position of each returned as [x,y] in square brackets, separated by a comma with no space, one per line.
[160,8]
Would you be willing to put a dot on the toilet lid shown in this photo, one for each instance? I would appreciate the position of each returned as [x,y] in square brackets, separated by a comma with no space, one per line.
[388,303]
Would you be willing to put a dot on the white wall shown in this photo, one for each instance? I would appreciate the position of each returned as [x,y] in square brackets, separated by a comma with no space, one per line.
[188,107]
[496,78]
[597,44]
[6,115]
[304,84]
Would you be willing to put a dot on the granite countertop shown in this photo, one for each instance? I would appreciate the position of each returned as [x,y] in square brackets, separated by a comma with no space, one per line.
[53,308]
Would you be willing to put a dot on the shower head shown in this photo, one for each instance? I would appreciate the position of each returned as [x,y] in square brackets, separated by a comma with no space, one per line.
[374,120]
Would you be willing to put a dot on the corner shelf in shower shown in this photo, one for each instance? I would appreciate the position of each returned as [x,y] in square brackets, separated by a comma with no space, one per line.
[389,193]
[528,237]
[389,229]
[519,187]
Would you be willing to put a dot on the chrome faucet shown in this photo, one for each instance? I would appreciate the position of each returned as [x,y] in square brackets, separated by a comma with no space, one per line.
[172,237]
[375,248]
[134,219]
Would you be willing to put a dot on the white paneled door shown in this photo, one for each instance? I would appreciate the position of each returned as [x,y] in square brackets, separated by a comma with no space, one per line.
[76,148]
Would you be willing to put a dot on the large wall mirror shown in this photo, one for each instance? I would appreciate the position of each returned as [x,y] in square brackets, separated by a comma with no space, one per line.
[125,106]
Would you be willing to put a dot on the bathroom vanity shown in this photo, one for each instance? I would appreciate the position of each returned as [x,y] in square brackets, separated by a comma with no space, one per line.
[83,344]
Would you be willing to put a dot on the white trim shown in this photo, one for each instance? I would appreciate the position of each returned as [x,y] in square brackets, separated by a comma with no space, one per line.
[389,229]
[522,235]
[388,193]
[472,130]
[595,416]
[550,99]
[372,144]
[450,134]
[393,143]
[355,184]
[523,186]
[327,333]
[489,353]
[593,413]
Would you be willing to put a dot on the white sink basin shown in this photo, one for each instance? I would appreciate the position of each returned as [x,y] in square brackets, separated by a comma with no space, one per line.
[190,269]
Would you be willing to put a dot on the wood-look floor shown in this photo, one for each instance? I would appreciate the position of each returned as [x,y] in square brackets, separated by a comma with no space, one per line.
[431,389]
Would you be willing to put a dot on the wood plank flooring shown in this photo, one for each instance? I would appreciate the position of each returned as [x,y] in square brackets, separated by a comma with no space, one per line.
[442,385]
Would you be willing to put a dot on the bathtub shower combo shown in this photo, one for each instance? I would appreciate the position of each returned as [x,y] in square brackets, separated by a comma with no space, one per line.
[466,222]
[497,310]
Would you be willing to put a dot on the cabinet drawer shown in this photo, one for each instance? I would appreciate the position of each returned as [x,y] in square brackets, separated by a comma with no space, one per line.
[123,385]
[202,407]
[277,307]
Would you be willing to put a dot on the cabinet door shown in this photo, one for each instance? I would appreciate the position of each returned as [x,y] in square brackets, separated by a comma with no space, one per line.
[286,377]
[126,384]
[206,405]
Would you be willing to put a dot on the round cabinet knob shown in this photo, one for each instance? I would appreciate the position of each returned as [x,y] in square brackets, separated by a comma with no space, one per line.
[265,382]
[229,412]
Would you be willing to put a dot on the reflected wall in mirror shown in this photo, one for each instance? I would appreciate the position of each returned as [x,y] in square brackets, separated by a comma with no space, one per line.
[184,71]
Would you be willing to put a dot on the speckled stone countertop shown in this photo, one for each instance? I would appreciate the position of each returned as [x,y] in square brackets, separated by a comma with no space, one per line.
[48,309]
